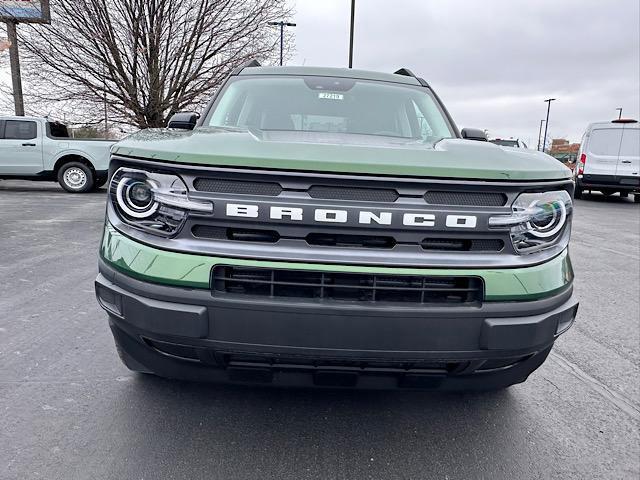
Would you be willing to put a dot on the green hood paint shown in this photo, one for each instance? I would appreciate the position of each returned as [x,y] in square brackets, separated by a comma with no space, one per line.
[336,153]
[194,271]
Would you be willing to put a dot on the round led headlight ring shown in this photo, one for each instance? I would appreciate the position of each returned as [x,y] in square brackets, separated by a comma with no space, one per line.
[556,215]
[135,197]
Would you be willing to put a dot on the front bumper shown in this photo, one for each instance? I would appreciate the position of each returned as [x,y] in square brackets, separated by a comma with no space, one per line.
[188,333]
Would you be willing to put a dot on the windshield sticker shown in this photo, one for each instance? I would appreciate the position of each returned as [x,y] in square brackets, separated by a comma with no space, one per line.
[331,96]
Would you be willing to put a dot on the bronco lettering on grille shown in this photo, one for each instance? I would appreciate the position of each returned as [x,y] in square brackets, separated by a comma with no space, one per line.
[364,217]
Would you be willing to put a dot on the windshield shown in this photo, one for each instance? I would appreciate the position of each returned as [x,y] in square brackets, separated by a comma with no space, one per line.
[330,104]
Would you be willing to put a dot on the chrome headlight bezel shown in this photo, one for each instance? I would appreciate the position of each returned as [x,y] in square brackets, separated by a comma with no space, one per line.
[538,221]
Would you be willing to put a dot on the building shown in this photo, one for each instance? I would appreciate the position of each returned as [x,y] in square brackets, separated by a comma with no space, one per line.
[562,146]
[564,151]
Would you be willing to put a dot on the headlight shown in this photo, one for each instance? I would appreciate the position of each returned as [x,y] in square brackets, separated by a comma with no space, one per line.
[537,221]
[154,202]
[135,197]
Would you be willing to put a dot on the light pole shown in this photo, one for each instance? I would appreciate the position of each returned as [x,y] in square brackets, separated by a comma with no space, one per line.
[619,112]
[13,13]
[282,24]
[546,122]
[353,16]
[14,60]
[540,133]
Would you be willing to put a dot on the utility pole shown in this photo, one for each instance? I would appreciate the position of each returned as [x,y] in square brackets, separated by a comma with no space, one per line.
[540,133]
[546,124]
[619,112]
[14,58]
[12,13]
[104,98]
[281,24]
[353,17]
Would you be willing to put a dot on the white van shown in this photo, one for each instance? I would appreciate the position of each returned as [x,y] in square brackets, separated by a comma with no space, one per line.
[609,159]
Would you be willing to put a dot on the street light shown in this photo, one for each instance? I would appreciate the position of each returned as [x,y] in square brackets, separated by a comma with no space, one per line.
[546,123]
[282,24]
[540,133]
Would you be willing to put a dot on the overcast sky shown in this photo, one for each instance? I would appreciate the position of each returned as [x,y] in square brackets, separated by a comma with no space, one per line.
[493,62]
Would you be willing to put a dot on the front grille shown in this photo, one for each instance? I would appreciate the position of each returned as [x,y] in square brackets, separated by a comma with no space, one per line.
[463,244]
[337,286]
[479,199]
[236,234]
[340,240]
[213,185]
[350,193]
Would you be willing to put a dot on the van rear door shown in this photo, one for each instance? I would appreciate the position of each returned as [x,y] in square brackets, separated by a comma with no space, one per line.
[602,151]
[629,157]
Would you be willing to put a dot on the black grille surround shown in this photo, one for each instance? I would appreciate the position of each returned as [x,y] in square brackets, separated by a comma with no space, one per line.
[338,286]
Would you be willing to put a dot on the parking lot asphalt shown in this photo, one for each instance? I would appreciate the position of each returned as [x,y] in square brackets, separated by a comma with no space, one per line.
[70,410]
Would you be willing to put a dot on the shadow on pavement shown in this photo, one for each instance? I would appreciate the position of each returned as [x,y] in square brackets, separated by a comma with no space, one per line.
[40,187]
[409,432]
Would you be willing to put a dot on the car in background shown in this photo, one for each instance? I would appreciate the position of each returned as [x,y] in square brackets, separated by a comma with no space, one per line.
[609,159]
[509,142]
[35,148]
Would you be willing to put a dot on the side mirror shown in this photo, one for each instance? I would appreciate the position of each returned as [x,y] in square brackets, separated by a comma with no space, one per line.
[474,134]
[183,120]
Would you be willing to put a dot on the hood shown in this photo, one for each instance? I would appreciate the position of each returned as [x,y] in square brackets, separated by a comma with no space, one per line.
[341,153]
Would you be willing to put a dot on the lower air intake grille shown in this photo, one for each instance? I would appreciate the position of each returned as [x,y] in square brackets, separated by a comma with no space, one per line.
[480,199]
[350,287]
[233,186]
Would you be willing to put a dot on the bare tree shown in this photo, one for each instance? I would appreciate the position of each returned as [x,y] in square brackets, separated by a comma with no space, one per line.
[143,59]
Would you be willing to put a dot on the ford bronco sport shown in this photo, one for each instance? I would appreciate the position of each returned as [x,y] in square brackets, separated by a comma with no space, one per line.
[333,228]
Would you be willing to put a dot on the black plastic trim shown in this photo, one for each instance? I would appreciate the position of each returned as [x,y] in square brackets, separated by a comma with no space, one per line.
[155,326]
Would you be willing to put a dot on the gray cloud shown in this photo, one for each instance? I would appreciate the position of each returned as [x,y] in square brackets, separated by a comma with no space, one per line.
[493,62]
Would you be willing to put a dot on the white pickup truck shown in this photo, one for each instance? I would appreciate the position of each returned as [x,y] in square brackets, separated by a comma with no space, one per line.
[38,149]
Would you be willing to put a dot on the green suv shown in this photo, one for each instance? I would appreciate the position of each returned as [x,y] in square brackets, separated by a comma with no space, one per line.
[333,228]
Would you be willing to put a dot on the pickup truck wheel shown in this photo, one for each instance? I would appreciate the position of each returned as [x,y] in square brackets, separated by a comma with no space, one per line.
[75,177]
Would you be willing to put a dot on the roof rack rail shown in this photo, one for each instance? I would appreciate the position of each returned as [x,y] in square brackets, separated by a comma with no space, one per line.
[408,73]
[251,63]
